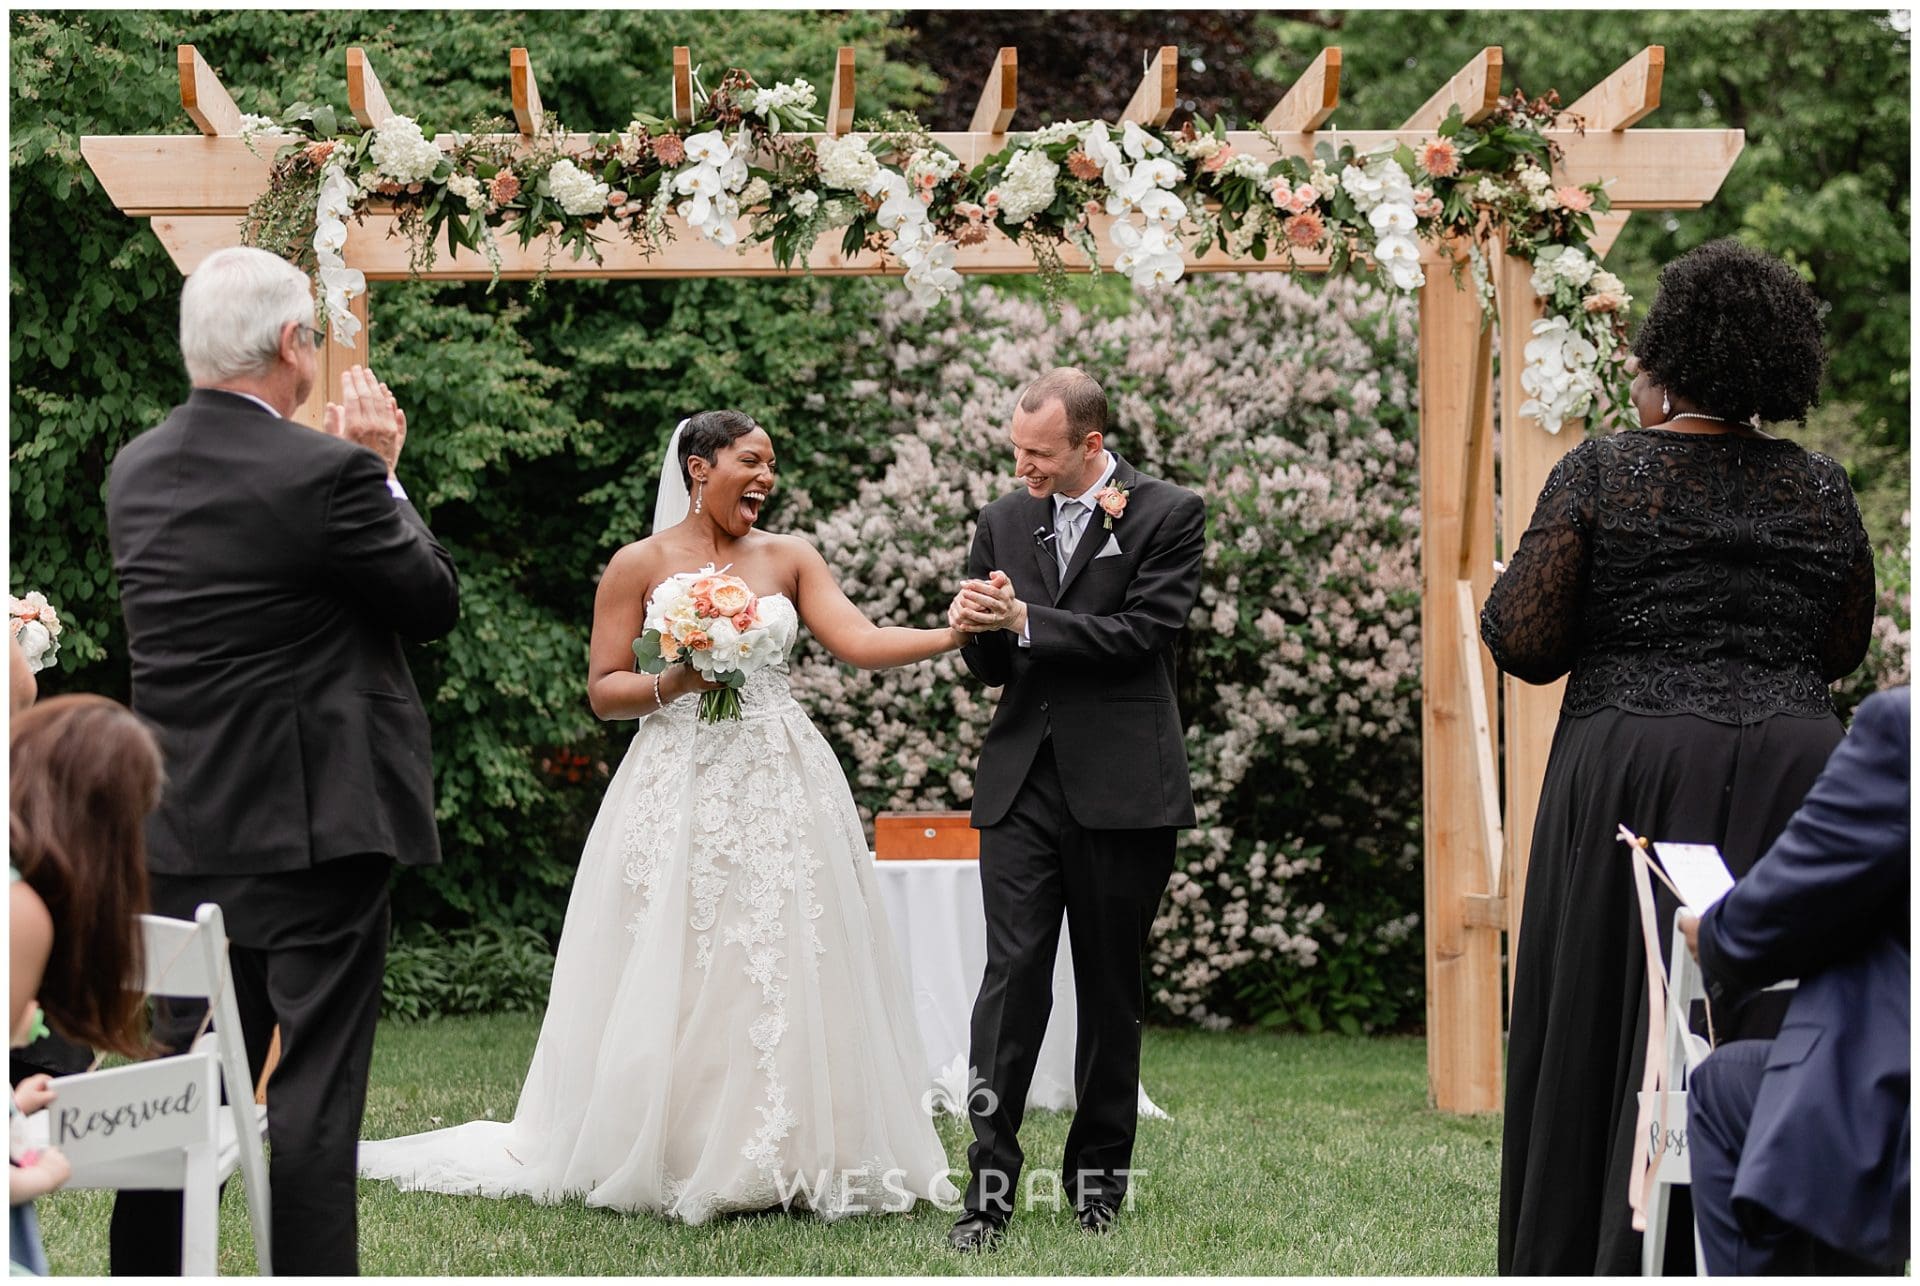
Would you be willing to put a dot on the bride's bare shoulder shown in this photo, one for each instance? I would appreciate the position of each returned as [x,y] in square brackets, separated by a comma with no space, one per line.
[636,561]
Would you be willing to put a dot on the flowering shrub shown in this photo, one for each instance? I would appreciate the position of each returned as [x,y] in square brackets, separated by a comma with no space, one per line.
[1292,412]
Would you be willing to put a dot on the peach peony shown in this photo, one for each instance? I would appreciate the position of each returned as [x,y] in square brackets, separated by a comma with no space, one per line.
[505,186]
[730,597]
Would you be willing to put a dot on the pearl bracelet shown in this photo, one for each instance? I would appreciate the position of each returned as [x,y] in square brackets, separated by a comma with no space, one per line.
[658,700]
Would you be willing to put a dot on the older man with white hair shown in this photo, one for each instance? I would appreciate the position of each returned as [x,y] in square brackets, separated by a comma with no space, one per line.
[270,576]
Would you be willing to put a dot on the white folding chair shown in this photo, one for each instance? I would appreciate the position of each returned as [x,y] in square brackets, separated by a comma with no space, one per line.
[1668,1141]
[160,1124]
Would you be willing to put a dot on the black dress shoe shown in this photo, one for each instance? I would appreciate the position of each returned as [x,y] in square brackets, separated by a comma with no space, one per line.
[1096,1216]
[977,1232]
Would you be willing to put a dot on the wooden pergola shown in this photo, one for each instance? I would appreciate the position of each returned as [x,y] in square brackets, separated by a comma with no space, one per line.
[195,189]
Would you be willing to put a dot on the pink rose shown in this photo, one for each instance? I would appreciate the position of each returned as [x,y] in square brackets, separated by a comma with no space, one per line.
[745,621]
[1306,194]
[1213,163]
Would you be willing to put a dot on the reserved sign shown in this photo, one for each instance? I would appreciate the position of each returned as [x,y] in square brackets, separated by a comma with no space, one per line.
[130,1111]
[1667,1139]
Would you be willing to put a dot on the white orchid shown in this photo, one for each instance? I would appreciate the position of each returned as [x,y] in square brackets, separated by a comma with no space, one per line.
[1096,143]
[931,277]
[1559,376]
[1392,217]
[1162,207]
[1137,143]
[1150,255]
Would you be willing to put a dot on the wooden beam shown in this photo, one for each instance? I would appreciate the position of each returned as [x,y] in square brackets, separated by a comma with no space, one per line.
[840,103]
[1464,1018]
[364,95]
[1475,89]
[526,92]
[1154,100]
[682,85]
[997,97]
[1652,169]
[1476,466]
[1527,455]
[375,246]
[1485,911]
[204,97]
[1625,97]
[1312,99]
[1485,776]
[1606,229]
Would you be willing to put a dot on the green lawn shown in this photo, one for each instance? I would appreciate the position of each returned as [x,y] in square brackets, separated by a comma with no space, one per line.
[1286,1155]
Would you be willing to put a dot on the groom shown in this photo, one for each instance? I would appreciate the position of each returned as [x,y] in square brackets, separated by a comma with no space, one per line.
[1081,585]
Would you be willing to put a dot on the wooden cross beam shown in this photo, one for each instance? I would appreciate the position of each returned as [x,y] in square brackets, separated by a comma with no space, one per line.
[997,97]
[1159,89]
[204,97]
[1475,89]
[1627,96]
[364,95]
[526,93]
[682,85]
[840,104]
[1312,99]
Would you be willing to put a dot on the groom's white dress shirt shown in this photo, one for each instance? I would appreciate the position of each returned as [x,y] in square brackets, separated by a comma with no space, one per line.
[1072,516]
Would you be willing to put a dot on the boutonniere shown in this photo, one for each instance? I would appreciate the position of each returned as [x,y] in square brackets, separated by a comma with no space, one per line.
[1112,500]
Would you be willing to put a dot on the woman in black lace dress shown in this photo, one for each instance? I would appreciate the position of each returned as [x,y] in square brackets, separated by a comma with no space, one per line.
[1701,583]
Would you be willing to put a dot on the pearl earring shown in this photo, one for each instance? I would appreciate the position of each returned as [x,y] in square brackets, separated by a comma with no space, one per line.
[1666,405]
[700,488]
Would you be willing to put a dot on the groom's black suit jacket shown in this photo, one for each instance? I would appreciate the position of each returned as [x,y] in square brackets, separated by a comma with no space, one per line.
[1099,675]
[268,578]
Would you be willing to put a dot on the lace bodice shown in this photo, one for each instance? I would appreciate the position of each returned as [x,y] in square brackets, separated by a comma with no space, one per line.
[1722,576]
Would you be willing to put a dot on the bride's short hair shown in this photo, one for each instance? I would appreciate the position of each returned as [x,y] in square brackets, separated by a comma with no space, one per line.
[708,434]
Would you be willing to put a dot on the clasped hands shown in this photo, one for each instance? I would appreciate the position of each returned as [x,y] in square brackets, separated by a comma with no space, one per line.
[367,414]
[983,606]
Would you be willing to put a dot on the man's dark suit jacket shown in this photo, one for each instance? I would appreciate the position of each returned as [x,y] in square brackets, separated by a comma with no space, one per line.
[1827,1150]
[268,578]
[1100,672]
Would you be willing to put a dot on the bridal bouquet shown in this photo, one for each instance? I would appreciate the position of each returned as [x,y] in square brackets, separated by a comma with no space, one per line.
[710,621]
[37,626]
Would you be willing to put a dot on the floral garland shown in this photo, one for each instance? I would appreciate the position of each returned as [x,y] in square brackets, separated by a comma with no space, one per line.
[897,191]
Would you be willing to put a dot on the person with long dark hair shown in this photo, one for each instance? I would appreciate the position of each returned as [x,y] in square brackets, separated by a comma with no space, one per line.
[85,775]
[1700,582]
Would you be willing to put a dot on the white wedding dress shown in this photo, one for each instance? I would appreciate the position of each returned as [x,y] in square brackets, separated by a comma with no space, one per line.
[728,1028]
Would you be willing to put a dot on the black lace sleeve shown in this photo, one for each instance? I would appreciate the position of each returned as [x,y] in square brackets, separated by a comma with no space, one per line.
[1531,620]
[1850,628]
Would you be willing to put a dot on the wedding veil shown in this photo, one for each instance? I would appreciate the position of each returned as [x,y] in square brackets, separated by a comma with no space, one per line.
[671,505]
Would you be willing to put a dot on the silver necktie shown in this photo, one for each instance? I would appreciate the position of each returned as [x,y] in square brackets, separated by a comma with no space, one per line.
[1071,515]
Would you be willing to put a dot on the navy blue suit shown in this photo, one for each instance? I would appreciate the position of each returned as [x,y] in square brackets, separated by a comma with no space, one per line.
[1800,1145]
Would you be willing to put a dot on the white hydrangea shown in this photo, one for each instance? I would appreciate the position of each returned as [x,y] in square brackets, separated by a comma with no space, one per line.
[846,163]
[792,93]
[575,190]
[1199,147]
[755,193]
[401,152]
[468,189]
[1058,132]
[1557,264]
[1534,179]
[1242,166]
[1027,187]
[936,162]
[805,203]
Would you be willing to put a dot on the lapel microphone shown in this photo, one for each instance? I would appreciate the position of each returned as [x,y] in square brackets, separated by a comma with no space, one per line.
[1044,536]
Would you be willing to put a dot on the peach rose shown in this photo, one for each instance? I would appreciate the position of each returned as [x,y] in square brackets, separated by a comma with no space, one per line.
[1213,163]
[1306,194]
[744,621]
[1603,303]
[730,598]
[697,641]
[1112,501]
[669,647]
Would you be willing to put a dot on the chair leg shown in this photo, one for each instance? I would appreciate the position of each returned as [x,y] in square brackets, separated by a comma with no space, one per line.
[200,1214]
[1653,1246]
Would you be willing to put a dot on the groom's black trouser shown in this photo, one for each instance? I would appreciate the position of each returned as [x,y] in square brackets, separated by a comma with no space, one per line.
[1034,864]
[308,950]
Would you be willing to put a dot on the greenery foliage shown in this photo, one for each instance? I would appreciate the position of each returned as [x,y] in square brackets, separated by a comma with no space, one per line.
[487,969]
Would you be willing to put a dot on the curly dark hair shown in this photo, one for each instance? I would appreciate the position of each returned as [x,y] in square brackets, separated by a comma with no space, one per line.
[1735,332]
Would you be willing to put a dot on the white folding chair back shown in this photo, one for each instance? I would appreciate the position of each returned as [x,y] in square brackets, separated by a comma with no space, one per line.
[1684,1052]
[160,1124]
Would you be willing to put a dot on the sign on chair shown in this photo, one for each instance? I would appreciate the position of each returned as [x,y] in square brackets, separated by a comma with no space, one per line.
[163,1105]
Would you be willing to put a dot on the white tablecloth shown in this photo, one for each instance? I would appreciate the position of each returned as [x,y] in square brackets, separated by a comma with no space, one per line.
[940,927]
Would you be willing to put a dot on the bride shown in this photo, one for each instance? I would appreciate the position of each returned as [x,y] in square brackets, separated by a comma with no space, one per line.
[728,1029]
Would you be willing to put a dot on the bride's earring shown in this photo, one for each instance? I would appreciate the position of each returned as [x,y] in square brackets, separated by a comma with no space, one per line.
[1666,406]
[699,488]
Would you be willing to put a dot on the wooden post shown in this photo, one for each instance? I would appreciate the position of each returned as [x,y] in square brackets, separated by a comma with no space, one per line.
[1463,959]
[204,97]
[335,358]
[364,96]
[1475,89]
[1627,96]
[1527,455]
[682,85]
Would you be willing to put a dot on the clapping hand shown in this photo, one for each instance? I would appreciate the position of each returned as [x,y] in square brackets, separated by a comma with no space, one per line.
[984,606]
[368,415]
